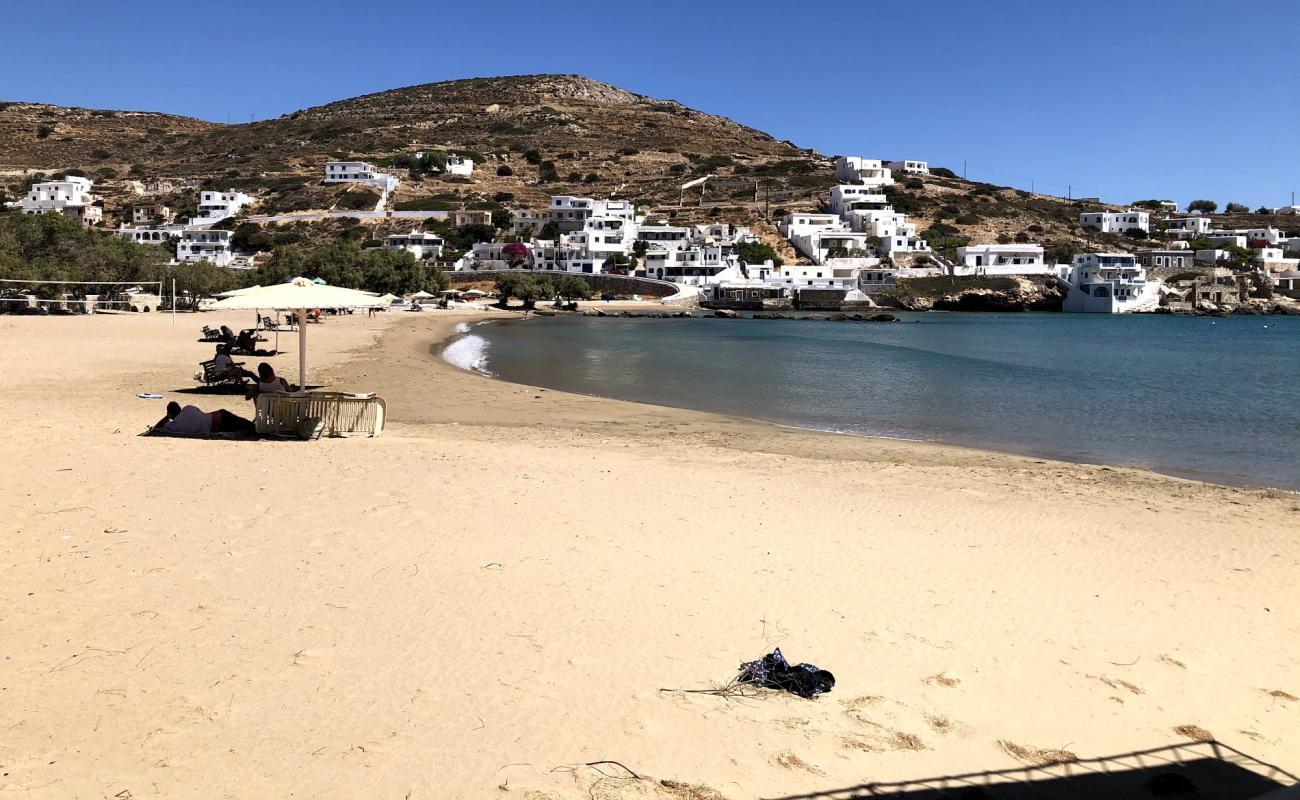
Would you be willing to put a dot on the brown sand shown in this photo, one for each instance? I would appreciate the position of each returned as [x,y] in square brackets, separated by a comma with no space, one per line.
[493,594]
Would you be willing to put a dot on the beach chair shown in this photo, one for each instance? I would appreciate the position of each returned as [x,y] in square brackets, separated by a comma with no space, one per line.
[210,375]
[324,413]
[211,334]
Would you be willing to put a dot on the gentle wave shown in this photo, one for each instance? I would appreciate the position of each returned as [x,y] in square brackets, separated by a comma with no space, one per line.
[469,352]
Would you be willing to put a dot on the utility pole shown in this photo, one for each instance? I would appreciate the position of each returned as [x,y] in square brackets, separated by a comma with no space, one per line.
[1069,191]
[755,191]
[963,169]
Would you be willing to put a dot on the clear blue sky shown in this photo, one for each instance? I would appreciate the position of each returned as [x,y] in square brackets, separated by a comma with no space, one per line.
[1125,100]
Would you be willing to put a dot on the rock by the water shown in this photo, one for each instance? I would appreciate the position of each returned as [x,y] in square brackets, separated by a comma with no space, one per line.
[725,313]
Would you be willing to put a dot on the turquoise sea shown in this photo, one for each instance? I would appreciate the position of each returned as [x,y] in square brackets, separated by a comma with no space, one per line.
[1206,398]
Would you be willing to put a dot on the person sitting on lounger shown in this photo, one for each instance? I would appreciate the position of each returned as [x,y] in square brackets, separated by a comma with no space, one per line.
[246,341]
[193,421]
[223,364]
[268,382]
[227,335]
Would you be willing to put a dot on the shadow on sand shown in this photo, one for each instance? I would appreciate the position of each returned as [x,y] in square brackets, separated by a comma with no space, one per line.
[1201,770]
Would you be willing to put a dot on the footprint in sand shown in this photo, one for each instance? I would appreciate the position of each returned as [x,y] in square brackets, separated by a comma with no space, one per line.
[1194,732]
[791,761]
[942,679]
[1038,756]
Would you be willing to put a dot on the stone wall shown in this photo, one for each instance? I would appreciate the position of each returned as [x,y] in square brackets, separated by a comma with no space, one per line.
[600,284]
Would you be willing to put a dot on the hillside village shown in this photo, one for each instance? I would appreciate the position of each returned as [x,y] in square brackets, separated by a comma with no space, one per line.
[754,224]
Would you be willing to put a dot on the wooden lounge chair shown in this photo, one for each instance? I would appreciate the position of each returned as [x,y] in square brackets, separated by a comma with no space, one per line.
[212,376]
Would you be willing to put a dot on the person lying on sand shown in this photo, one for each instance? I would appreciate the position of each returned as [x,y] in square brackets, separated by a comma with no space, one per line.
[191,421]
[267,381]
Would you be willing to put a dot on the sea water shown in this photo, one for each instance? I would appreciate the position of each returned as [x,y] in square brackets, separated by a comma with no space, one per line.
[1216,399]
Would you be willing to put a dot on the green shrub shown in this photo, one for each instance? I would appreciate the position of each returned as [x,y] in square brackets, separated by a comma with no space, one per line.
[942,172]
[505,171]
[533,157]
[914,183]
[43,131]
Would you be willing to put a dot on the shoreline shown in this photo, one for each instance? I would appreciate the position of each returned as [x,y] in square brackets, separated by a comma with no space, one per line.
[496,590]
[443,341]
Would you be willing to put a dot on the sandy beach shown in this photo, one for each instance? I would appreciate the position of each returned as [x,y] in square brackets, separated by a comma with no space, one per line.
[493,595]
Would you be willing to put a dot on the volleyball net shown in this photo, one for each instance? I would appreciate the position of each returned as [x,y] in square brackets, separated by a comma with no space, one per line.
[17,294]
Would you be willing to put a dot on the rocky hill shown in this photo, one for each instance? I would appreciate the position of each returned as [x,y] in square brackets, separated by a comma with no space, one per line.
[532,136]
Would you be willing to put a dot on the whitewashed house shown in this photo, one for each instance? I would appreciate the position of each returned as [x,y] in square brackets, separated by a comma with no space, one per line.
[525,221]
[1188,227]
[420,244]
[364,173]
[216,206]
[847,198]
[664,237]
[1287,210]
[1168,206]
[1116,221]
[1269,234]
[70,197]
[459,165]
[910,167]
[1107,283]
[866,171]
[205,244]
[1000,259]
[151,235]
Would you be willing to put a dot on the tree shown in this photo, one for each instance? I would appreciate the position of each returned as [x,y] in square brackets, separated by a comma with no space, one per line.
[1203,206]
[757,253]
[1236,208]
[477,233]
[533,157]
[528,289]
[571,287]
[617,263]
[550,232]
[1062,251]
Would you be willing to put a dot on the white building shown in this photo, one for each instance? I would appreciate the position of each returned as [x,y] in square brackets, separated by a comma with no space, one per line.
[866,171]
[1000,259]
[1116,221]
[1292,210]
[151,235]
[817,276]
[1270,234]
[664,237]
[205,244]
[459,165]
[70,197]
[910,167]
[216,206]
[693,266]
[1107,283]
[856,197]
[1168,206]
[418,243]
[363,173]
[1188,227]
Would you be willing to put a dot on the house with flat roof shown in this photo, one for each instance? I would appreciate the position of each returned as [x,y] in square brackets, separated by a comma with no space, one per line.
[1187,227]
[70,197]
[205,244]
[866,171]
[909,167]
[418,243]
[1000,259]
[216,206]
[1116,221]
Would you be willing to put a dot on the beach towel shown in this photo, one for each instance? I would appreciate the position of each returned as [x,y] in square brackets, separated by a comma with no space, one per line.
[774,672]
[151,431]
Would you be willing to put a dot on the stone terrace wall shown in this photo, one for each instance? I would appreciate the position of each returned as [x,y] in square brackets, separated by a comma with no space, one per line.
[614,284]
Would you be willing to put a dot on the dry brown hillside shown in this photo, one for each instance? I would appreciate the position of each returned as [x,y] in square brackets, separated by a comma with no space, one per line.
[532,135]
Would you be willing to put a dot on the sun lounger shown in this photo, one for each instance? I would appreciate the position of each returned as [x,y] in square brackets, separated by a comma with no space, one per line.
[338,413]
[212,376]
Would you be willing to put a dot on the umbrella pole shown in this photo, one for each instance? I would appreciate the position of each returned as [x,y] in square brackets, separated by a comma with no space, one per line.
[302,349]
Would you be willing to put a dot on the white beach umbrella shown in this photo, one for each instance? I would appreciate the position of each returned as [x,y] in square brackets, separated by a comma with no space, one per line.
[298,295]
[237,292]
